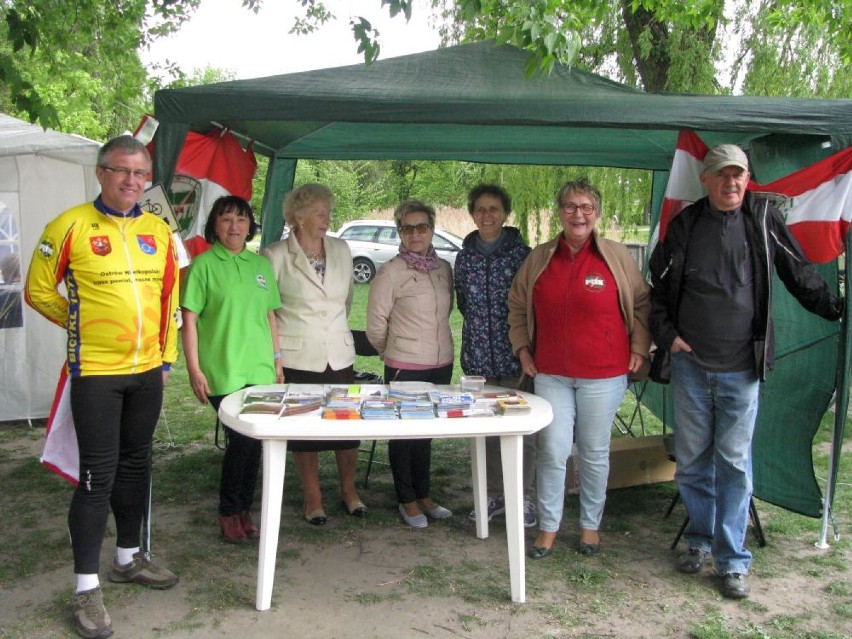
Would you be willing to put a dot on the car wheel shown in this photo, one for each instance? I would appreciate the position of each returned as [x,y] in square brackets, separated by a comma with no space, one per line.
[363,270]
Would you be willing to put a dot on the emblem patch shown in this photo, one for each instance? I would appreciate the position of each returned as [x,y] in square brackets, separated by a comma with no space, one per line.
[45,249]
[147,244]
[594,282]
[100,245]
[261,281]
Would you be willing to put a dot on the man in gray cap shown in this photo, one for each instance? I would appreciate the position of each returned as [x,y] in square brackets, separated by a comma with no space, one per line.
[711,317]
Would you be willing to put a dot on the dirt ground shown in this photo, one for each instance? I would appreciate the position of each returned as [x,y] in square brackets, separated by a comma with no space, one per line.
[378,578]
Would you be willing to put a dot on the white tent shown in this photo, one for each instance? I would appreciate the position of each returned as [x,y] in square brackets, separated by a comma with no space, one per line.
[42,173]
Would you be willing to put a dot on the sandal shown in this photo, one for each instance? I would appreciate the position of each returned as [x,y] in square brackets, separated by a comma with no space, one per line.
[316,517]
[356,509]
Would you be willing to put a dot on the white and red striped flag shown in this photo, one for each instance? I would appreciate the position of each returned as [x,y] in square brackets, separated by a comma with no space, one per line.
[816,201]
[220,164]
[60,452]
[818,209]
[209,166]
[684,186]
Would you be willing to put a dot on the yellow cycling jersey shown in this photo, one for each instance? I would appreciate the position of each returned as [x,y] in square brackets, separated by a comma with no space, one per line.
[121,278]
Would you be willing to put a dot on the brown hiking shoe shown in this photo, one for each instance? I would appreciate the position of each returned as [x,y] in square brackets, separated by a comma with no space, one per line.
[91,620]
[142,571]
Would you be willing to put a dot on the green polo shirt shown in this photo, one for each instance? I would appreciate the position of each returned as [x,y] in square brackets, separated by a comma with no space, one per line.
[232,295]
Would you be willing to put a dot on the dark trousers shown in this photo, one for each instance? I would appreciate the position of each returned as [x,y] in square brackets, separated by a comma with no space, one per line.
[411,459]
[114,418]
[240,467]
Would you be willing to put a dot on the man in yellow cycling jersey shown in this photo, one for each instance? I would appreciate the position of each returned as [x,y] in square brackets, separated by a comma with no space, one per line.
[120,272]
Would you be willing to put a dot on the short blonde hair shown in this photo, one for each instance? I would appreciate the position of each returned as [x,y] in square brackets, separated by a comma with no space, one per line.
[302,197]
[413,206]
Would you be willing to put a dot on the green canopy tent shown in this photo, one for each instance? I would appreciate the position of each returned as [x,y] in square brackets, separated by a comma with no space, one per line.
[473,103]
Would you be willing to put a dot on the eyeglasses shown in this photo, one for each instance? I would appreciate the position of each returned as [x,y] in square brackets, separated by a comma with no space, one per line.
[125,172]
[410,229]
[571,208]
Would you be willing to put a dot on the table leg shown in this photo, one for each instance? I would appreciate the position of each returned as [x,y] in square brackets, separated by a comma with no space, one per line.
[480,490]
[510,449]
[274,459]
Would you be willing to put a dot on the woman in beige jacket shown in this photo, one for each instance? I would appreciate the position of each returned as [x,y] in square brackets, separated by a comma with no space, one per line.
[314,274]
[408,321]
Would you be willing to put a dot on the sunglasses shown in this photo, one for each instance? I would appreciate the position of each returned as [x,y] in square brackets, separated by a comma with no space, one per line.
[410,229]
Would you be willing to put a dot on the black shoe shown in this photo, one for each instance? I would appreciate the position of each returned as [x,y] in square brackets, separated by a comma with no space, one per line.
[693,560]
[735,586]
[540,552]
[589,550]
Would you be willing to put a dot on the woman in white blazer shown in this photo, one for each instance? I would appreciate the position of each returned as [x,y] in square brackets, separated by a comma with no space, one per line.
[314,274]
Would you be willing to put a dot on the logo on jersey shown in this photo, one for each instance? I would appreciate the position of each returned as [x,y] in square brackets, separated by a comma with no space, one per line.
[46,249]
[261,281]
[594,282]
[147,244]
[100,245]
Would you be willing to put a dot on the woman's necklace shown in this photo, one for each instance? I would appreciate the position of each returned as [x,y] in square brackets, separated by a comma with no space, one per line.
[312,255]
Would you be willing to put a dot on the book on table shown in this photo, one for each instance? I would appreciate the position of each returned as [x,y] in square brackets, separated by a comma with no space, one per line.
[378,408]
[263,402]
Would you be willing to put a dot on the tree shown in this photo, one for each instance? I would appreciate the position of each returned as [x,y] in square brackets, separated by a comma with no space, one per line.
[63,54]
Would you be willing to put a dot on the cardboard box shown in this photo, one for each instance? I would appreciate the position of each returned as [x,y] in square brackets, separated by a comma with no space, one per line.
[633,461]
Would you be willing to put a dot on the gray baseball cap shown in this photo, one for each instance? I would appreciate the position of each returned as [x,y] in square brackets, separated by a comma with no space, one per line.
[725,155]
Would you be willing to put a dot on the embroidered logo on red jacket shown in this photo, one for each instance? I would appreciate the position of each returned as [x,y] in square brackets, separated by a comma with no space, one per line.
[147,244]
[594,282]
[100,245]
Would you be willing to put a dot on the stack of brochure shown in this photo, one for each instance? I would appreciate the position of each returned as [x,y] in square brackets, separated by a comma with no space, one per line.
[416,409]
[452,404]
[342,402]
[268,402]
[378,408]
[298,403]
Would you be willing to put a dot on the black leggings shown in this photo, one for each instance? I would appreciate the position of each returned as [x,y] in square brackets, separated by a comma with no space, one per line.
[240,467]
[114,417]
[411,459]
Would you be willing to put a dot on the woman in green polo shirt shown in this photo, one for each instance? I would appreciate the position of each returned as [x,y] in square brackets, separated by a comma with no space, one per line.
[228,299]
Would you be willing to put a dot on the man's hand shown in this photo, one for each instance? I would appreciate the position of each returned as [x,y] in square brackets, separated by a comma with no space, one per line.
[679,345]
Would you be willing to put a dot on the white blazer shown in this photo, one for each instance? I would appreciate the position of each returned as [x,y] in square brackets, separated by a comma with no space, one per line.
[313,326]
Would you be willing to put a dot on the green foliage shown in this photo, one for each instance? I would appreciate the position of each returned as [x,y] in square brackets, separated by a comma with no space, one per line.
[74,65]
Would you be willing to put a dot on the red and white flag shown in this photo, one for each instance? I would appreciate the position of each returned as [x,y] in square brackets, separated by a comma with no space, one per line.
[816,201]
[210,165]
[222,167]
[684,186]
[60,452]
[818,208]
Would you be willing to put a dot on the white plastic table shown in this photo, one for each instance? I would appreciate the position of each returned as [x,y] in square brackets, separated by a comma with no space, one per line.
[275,431]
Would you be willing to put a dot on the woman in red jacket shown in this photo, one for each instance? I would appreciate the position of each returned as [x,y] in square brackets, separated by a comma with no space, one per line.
[578,318]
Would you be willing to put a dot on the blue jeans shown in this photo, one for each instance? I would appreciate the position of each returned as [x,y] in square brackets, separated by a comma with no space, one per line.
[715,415]
[589,407]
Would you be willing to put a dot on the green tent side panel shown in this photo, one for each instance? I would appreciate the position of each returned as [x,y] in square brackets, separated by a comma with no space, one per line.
[792,402]
[279,181]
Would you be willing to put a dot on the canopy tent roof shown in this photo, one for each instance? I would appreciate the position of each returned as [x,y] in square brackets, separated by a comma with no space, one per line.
[472,102]
[18,137]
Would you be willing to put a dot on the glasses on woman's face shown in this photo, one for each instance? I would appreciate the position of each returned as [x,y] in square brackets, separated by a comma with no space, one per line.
[573,207]
[411,229]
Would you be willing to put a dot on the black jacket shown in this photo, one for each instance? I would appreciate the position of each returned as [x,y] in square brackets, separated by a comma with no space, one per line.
[771,246]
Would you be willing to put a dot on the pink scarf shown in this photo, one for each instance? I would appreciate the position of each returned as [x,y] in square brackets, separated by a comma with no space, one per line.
[423,263]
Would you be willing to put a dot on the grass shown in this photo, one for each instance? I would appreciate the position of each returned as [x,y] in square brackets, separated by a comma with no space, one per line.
[567,594]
